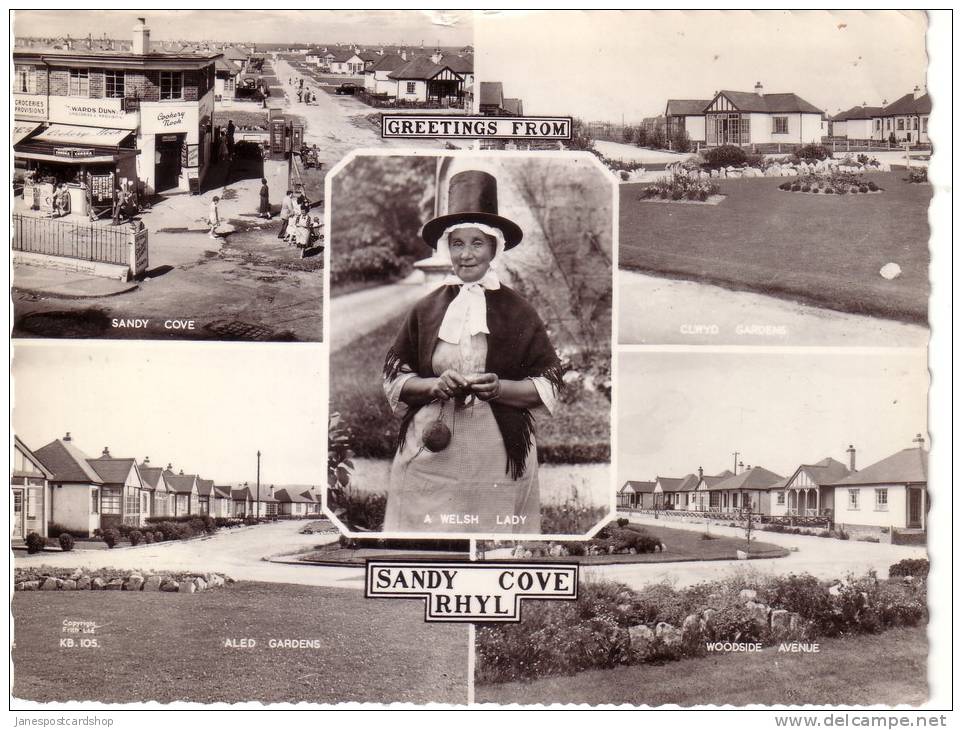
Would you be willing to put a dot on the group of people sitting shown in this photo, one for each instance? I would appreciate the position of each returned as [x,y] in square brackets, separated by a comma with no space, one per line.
[298,227]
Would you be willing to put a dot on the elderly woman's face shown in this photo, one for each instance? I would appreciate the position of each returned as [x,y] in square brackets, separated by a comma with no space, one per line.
[471,252]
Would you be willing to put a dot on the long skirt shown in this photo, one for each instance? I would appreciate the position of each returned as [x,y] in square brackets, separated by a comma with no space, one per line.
[465,487]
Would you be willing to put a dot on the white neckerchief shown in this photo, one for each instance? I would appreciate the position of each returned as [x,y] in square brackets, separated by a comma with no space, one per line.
[469,305]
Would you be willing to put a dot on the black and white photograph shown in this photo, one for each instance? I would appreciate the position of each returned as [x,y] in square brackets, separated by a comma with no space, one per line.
[772,522]
[156,550]
[168,166]
[471,344]
[774,176]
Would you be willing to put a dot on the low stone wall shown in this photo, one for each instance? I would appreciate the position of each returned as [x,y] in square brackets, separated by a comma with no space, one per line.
[80,580]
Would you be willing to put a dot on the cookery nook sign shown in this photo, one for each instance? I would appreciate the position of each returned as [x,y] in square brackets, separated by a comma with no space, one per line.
[462,591]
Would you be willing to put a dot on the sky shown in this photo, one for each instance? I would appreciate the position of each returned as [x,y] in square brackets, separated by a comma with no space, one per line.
[444,27]
[205,407]
[600,65]
[682,410]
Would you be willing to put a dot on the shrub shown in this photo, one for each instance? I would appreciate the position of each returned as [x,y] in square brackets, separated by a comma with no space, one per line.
[829,191]
[35,542]
[863,188]
[734,622]
[868,538]
[623,174]
[250,520]
[785,186]
[813,152]
[575,548]
[918,175]
[725,156]
[66,541]
[135,536]
[148,537]
[755,160]
[365,263]
[806,188]
[916,567]
[796,187]
[622,522]
[111,536]
[158,536]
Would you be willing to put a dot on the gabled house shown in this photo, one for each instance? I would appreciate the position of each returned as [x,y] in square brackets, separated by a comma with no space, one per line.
[857,122]
[423,81]
[376,78]
[243,502]
[205,495]
[221,501]
[806,492]
[183,489]
[706,497]
[74,486]
[30,491]
[292,504]
[686,115]
[744,117]
[746,491]
[891,493]
[124,498]
[156,483]
[226,74]
[491,98]
[907,118]
[672,492]
[637,495]
[345,62]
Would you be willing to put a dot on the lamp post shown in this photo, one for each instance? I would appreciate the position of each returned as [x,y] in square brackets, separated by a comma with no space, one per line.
[258,484]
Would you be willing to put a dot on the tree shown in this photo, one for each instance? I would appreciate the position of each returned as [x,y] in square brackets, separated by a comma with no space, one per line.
[680,141]
[642,136]
[627,135]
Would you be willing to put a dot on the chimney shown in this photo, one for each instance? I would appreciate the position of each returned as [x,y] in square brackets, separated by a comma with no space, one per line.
[918,440]
[758,88]
[170,467]
[885,103]
[182,472]
[146,461]
[701,473]
[141,44]
[105,453]
[66,436]
[851,457]
[404,54]
[918,92]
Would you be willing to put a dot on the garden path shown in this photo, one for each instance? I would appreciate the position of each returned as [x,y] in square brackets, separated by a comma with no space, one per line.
[363,311]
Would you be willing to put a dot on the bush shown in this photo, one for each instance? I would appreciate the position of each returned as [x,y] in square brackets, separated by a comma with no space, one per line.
[158,536]
[813,152]
[796,187]
[66,541]
[918,175]
[916,567]
[55,530]
[148,537]
[135,537]
[35,542]
[622,522]
[725,156]
[806,188]
[755,160]
[366,263]
[111,536]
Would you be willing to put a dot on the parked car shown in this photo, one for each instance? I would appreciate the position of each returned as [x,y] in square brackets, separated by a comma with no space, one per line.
[346,88]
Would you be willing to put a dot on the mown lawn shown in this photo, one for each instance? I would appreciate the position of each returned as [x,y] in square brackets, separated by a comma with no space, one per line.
[578,432]
[170,647]
[885,669]
[824,250]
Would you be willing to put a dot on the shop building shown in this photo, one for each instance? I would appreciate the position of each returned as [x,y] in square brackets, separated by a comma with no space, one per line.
[97,119]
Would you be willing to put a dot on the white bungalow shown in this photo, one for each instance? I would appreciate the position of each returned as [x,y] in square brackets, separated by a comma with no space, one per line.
[907,118]
[686,115]
[806,492]
[156,482]
[376,78]
[746,491]
[856,123]
[636,495]
[742,118]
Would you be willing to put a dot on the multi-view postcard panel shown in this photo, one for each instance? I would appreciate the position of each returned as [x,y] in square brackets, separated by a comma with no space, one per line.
[641,402]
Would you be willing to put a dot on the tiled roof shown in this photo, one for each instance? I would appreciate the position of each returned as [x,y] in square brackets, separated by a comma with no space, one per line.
[858,112]
[638,487]
[67,463]
[388,62]
[283,495]
[180,483]
[222,492]
[492,93]
[903,467]
[242,493]
[747,101]
[756,478]
[420,69]
[514,107]
[680,107]
[908,104]
[151,476]
[459,64]
[112,471]
[205,487]
[342,56]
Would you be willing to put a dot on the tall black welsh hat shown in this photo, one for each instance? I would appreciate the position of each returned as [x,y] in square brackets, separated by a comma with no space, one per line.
[472,198]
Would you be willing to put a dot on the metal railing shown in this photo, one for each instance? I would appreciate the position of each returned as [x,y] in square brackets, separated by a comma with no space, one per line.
[103,244]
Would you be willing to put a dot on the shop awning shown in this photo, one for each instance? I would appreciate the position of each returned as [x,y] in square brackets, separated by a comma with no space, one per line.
[23,129]
[83,136]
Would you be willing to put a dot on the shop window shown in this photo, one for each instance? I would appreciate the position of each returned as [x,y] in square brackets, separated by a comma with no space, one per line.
[780,125]
[115,86]
[95,501]
[853,499]
[171,85]
[410,87]
[24,80]
[881,500]
[110,502]
[79,82]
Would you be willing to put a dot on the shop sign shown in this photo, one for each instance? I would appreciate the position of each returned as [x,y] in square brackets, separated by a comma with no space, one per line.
[29,106]
[91,111]
[73,151]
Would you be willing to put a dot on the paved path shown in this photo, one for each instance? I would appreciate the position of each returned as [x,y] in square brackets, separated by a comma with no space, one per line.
[818,556]
[354,315]
[653,311]
[239,553]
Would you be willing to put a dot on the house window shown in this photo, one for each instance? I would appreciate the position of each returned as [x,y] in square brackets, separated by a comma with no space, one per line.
[171,85]
[110,503]
[925,124]
[881,500]
[878,125]
[181,504]
[780,499]
[143,502]
[780,125]
[114,84]
[205,506]
[23,80]
[888,124]
[900,124]
[853,499]
[79,82]
[410,87]
[95,501]
[31,504]
[131,502]
[915,122]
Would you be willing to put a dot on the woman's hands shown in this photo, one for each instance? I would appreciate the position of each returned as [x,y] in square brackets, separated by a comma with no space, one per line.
[450,384]
[487,386]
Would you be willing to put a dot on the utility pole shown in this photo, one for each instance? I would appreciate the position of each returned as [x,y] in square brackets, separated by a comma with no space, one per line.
[258,484]
[735,454]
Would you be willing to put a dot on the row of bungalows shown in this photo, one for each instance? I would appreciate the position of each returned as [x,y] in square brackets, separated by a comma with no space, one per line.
[891,493]
[906,119]
[746,118]
[59,484]
[444,80]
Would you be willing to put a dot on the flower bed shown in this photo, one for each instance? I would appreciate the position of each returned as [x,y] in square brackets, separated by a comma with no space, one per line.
[831,183]
[611,624]
[680,187]
[43,578]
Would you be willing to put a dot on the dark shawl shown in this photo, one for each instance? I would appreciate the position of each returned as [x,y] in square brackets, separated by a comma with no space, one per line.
[518,348]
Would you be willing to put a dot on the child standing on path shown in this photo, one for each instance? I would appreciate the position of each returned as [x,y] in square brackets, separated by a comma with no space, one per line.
[213,217]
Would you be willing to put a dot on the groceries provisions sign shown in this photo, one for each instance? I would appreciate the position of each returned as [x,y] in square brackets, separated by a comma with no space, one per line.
[418,126]
[462,591]
[91,112]
[29,106]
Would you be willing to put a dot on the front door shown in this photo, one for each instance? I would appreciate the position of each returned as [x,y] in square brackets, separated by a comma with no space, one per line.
[915,508]
[167,156]
[18,514]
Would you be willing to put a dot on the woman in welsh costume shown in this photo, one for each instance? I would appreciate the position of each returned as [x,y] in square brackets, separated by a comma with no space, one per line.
[470,372]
